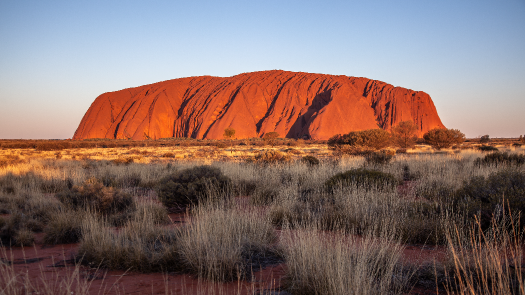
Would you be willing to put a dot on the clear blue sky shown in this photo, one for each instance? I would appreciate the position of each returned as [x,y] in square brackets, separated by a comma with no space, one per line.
[56,57]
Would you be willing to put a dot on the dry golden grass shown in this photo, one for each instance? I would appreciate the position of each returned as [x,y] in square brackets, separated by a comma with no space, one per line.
[324,232]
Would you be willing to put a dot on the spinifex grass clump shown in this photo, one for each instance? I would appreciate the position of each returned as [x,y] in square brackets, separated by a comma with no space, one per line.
[140,245]
[363,178]
[499,159]
[92,194]
[64,227]
[17,231]
[271,157]
[187,187]
[486,262]
[224,245]
[338,264]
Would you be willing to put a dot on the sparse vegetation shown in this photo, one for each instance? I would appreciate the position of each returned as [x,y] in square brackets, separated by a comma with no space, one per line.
[404,134]
[363,178]
[440,138]
[340,224]
[361,141]
[189,186]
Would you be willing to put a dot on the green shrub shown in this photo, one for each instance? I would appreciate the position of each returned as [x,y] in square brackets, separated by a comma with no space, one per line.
[440,138]
[310,160]
[484,139]
[363,178]
[499,159]
[92,194]
[271,157]
[486,197]
[487,148]
[187,187]
[374,139]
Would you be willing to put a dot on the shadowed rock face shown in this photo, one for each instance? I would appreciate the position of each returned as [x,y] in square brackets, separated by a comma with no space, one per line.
[295,105]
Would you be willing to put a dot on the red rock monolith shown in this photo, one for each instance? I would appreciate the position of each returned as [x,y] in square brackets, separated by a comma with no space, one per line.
[293,104]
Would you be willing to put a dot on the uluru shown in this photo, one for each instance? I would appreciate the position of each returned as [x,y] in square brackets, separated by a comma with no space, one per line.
[293,104]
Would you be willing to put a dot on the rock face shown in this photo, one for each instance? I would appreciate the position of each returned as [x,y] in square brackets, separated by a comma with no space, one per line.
[295,105]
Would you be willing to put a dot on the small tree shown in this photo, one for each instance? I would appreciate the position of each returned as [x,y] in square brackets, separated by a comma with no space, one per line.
[440,138]
[229,133]
[271,137]
[404,134]
[484,138]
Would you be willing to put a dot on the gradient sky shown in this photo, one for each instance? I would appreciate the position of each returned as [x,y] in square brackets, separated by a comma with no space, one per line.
[56,57]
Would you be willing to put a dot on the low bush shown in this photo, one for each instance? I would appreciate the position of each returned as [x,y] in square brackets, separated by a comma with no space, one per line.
[374,139]
[362,178]
[484,138]
[271,157]
[92,194]
[187,187]
[440,138]
[487,197]
[499,159]
[487,148]
[310,160]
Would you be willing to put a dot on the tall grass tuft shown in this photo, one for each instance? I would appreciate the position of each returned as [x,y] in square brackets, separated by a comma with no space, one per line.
[140,245]
[218,243]
[340,264]
[486,262]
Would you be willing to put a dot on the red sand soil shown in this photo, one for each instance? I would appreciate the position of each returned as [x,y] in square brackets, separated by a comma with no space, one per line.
[293,104]
[57,261]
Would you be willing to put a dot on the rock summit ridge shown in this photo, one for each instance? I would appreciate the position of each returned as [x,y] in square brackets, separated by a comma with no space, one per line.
[293,104]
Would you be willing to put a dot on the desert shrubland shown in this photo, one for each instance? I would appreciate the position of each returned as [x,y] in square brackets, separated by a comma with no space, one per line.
[338,222]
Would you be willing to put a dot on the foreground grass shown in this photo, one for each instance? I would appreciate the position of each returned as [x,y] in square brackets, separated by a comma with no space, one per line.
[345,239]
